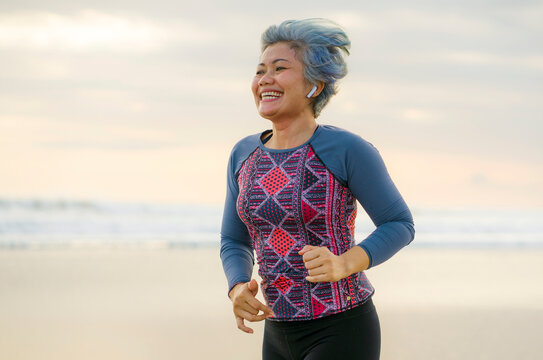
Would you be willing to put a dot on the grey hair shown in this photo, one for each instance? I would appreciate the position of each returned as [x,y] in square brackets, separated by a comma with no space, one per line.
[320,43]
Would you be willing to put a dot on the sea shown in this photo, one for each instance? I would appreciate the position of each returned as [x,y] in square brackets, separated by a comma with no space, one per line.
[54,224]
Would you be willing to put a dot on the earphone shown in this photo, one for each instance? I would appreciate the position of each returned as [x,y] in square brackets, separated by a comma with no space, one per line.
[312,91]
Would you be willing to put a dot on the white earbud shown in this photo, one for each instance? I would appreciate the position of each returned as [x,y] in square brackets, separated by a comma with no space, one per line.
[312,91]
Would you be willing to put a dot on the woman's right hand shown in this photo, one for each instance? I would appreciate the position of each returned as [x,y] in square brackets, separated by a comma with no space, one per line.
[246,305]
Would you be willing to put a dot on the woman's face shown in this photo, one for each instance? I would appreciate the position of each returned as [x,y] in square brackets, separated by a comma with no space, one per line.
[279,87]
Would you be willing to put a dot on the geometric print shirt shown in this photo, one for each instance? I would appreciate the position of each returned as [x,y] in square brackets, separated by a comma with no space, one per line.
[279,200]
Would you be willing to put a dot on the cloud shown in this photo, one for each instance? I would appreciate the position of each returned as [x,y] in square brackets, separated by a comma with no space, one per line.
[479,179]
[406,20]
[44,133]
[485,58]
[417,115]
[90,30]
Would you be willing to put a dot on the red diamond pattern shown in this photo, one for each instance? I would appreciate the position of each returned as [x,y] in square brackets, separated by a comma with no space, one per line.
[308,212]
[318,308]
[274,181]
[283,283]
[281,241]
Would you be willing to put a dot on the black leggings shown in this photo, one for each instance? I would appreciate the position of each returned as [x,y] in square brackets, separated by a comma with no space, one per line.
[352,334]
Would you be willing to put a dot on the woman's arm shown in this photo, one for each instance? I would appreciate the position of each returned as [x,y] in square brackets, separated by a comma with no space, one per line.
[236,246]
[370,183]
[237,258]
[360,167]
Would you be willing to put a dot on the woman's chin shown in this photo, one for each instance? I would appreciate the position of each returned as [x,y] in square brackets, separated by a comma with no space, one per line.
[266,113]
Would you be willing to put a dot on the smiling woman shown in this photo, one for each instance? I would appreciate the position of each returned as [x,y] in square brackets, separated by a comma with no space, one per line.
[291,199]
[279,86]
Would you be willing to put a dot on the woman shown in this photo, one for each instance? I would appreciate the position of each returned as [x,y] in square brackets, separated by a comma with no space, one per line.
[291,198]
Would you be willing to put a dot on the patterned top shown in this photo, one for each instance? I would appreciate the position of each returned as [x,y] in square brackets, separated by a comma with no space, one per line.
[285,199]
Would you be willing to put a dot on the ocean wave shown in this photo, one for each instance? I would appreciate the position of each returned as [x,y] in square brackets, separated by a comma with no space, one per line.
[32,223]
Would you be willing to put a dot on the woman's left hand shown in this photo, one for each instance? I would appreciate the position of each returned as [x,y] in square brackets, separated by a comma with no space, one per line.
[322,264]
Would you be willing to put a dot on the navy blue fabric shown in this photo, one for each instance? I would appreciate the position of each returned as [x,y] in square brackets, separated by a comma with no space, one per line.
[356,164]
[236,244]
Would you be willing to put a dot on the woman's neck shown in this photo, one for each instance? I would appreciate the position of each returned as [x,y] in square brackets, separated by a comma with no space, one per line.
[287,135]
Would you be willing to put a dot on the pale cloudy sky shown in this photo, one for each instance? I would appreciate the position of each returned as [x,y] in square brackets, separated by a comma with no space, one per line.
[142,101]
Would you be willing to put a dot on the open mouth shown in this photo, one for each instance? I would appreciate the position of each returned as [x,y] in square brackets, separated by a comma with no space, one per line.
[270,95]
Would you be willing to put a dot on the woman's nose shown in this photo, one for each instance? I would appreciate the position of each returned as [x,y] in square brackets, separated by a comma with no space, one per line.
[265,79]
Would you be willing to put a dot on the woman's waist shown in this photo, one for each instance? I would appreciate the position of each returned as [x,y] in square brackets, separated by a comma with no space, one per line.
[291,281]
[293,298]
[359,309]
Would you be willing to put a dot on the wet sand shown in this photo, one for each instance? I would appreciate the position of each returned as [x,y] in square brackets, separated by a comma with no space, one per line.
[172,304]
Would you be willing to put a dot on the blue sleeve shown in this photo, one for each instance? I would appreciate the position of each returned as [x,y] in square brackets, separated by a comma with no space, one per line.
[236,250]
[358,164]
[370,183]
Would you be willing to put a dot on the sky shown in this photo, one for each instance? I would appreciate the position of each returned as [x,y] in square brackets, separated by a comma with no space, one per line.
[142,101]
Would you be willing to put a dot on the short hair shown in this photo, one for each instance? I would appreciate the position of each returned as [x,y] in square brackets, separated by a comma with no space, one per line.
[321,44]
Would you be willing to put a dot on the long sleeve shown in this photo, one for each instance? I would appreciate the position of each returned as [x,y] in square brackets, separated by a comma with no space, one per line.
[370,183]
[357,164]
[236,249]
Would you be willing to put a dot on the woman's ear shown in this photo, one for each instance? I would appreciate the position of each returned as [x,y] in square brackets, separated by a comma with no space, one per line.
[320,87]
[313,90]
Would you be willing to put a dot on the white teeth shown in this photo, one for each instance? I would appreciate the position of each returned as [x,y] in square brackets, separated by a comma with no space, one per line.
[270,94]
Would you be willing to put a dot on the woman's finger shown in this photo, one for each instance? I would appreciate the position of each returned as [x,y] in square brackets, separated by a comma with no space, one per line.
[243,303]
[249,302]
[311,254]
[257,305]
[249,308]
[318,278]
[250,317]
[317,271]
[313,264]
[241,325]
[306,248]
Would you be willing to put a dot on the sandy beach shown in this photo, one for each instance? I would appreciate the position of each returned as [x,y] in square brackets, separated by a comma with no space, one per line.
[135,303]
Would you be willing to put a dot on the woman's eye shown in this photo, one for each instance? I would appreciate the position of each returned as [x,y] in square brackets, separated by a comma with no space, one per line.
[260,72]
[279,68]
